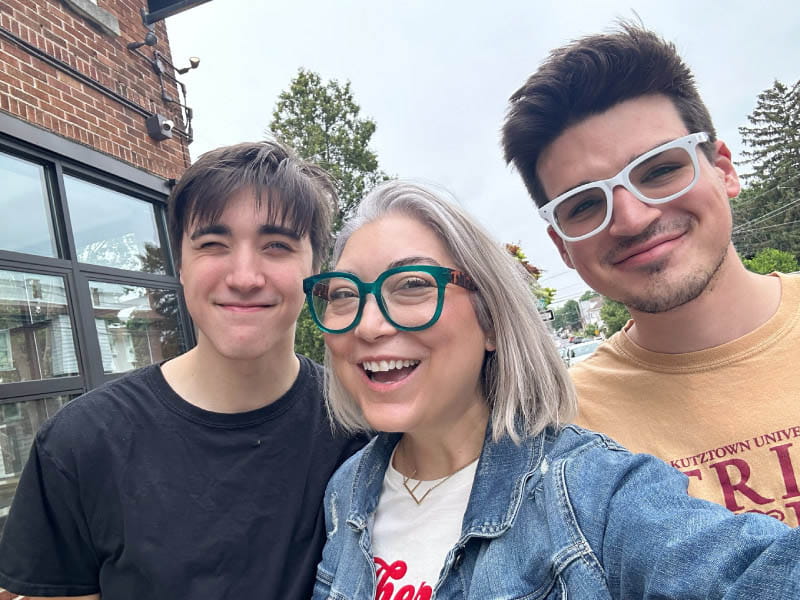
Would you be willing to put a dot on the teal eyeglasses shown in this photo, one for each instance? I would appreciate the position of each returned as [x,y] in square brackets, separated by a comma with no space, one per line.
[409,297]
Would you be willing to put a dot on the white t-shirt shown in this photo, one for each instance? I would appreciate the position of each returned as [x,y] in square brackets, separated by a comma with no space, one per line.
[410,541]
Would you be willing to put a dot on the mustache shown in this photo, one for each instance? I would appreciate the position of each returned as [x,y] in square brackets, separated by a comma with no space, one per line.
[654,229]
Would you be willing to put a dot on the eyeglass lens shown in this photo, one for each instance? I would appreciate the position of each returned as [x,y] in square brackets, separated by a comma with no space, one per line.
[410,299]
[667,173]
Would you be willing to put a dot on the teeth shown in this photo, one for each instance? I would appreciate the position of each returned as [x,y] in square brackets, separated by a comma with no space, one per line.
[387,365]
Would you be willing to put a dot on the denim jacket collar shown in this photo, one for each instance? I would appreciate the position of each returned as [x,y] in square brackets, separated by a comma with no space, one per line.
[495,498]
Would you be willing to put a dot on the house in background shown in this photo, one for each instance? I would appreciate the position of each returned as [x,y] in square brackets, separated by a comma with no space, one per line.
[93,132]
[590,310]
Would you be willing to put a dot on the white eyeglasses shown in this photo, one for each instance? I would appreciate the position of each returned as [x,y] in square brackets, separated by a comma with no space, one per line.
[658,176]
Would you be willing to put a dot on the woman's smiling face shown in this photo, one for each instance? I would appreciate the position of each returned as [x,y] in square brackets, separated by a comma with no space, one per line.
[421,381]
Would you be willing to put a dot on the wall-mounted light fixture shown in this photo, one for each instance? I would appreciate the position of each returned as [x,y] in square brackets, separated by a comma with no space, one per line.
[165,69]
[158,64]
[194,62]
[150,39]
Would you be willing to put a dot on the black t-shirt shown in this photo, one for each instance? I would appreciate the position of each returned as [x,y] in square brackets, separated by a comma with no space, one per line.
[135,493]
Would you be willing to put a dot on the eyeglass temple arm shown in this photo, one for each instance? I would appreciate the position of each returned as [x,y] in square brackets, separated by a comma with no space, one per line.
[462,280]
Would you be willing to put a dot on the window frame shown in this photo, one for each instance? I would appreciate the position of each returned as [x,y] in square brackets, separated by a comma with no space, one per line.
[58,157]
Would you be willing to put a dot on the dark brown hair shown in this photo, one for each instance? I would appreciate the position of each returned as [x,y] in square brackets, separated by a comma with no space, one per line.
[587,77]
[298,194]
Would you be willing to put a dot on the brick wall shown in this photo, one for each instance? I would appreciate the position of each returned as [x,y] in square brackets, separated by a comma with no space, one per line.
[53,99]
[56,100]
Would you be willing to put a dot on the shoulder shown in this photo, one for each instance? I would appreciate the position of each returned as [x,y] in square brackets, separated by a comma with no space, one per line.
[363,471]
[572,442]
[345,475]
[791,279]
[111,395]
[310,368]
[594,468]
[310,377]
[108,407]
[791,287]
[608,355]
[608,371]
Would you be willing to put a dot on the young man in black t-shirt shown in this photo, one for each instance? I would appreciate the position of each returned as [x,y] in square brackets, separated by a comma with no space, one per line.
[201,477]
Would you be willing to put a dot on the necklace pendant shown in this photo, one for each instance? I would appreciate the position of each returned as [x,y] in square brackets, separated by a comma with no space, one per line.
[411,490]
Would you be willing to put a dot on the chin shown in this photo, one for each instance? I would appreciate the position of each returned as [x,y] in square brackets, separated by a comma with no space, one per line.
[383,416]
[242,350]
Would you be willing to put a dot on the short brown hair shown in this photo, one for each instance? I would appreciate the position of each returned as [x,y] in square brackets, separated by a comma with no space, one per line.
[300,195]
[587,77]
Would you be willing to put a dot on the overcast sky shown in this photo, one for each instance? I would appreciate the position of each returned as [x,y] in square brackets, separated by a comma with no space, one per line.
[436,76]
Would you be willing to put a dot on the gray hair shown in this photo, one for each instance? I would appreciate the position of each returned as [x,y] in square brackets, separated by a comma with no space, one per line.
[524,380]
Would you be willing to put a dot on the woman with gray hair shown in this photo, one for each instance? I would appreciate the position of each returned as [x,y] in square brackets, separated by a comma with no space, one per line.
[477,486]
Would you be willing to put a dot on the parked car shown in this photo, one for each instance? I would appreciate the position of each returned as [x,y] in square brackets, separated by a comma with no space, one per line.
[579,352]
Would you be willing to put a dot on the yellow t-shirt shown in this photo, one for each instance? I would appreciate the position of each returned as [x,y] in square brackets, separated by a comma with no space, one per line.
[728,417]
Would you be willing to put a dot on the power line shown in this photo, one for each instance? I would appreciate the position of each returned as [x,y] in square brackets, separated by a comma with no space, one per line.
[773,213]
[767,191]
[776,226]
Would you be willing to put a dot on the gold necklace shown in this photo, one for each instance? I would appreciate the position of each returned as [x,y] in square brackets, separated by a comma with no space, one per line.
[411,490]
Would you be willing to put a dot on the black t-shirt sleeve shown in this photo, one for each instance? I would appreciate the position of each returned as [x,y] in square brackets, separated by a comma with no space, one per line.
[46,549]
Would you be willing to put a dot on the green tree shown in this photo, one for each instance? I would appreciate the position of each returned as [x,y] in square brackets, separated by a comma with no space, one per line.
[614,315]
[591,330]
[322,122]
[567,316]
[767,212]
[588,295]
[769,260]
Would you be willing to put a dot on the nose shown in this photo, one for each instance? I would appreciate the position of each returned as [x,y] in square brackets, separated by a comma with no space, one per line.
[245,273]
[630,216]
[373,325]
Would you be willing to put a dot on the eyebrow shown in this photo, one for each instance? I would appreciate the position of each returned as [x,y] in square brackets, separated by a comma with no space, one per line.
[224,230]
[402,262]
[412,260]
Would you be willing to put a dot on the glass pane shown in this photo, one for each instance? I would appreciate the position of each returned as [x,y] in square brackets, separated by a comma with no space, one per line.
[19,422]
[35,328]
[136,326]
[112,229]
[26,225]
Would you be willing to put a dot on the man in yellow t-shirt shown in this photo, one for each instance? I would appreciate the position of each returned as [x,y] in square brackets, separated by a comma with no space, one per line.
[619,152]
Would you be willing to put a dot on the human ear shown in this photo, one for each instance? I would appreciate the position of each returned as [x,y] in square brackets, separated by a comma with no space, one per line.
[562,248]
[727,172]
[490,344]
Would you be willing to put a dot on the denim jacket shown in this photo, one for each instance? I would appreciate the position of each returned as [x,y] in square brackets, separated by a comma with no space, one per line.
[568,514]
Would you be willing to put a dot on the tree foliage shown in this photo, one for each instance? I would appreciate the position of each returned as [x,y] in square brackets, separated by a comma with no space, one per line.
[567,316]
[767,212]
[322,122]
[591,330]
[770,259]
[614,315]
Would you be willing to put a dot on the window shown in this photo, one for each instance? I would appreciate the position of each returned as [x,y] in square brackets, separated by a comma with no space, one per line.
[89,10]
[35,328]
[136,326]
[87,287]
[24,194]
[6,358]
[125,237]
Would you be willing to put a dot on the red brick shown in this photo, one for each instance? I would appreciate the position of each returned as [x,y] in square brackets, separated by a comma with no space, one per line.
[53,99]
